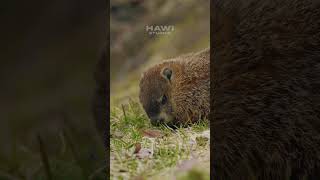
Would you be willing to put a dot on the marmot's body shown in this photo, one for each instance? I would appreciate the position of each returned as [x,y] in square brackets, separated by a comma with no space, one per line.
[266,101]
[177,91]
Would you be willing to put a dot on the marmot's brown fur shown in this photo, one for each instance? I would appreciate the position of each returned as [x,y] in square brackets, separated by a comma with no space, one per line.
[177,91]
[266,95]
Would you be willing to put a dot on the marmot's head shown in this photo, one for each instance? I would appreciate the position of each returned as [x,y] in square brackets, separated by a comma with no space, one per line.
[176,92]
[155,92]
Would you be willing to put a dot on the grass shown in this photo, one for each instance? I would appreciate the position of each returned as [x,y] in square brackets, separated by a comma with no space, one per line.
[142,151]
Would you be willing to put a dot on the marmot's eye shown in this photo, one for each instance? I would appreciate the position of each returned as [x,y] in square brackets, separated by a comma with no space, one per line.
[164,99]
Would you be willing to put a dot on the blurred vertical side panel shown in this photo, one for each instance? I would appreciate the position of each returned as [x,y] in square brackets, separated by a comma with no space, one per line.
[54,95]
[101,106]
[265,66]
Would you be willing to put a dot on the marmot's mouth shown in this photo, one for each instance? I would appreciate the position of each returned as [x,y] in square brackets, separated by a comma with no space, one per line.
[174,124]
[161,121]
[157,122]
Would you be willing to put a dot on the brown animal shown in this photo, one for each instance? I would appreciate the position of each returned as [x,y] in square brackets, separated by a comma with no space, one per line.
[176,91]
[265,119]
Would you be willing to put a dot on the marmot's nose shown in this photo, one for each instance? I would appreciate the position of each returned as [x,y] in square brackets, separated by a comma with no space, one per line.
[156,120]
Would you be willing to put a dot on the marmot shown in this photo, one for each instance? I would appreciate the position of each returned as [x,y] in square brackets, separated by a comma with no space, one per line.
[176,92]
[265,118]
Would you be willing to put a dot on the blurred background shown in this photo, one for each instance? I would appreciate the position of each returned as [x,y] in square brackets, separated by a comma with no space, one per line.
[49,53]
[133,49]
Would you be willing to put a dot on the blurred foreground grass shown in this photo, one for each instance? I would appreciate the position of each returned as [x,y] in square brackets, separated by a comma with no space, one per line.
[141,151]
[72,160]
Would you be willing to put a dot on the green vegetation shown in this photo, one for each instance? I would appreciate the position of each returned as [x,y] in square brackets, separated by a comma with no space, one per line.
[140,150]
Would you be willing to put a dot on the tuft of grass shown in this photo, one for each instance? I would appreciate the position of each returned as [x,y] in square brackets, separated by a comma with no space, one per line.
[166,152]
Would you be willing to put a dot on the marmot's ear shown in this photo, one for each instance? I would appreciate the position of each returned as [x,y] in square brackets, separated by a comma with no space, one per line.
[167,73]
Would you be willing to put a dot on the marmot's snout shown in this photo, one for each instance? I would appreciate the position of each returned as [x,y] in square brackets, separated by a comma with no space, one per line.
[159,111]
[157,120]
[153,113]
